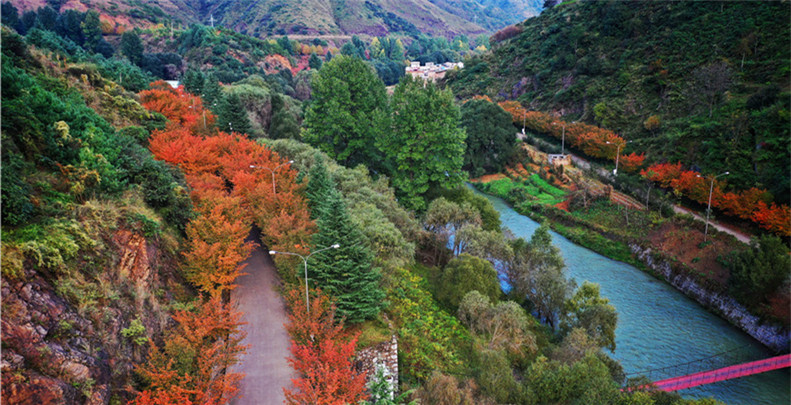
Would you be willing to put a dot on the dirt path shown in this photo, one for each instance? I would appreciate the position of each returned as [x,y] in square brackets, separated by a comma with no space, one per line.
[742,237]
[265,365]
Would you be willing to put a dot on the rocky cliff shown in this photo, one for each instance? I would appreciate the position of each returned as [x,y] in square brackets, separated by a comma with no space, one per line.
[773,337]
[76,339]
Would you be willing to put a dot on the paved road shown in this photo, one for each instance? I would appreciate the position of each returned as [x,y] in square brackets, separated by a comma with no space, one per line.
[264,364]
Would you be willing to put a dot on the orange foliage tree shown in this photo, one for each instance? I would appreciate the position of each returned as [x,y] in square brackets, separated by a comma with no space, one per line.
[753,204]
[322,353]
[632,162]
[192,367]
[216,244]
[236,182]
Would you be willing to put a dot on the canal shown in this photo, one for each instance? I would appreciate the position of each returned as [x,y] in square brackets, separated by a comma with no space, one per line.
[659,326]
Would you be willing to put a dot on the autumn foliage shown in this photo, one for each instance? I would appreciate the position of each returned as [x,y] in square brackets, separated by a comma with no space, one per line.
[235,183]
[590,139]
[322,352]
[231,180]
[192,366]
[753,204]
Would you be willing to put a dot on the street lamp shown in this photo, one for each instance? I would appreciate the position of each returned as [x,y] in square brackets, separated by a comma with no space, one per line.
[617,155]
[708,209]
[273,172]
[305,260]
[562,138]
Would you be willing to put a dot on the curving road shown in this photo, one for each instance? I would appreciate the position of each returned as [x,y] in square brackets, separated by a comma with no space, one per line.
[264,364]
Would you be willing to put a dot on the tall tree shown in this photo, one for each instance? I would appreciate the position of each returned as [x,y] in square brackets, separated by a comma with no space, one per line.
[537,273]
[467,273]
[424,146]
[314,62]
[193,366]
[346,273]
[92,30]
[193,81]
[233,115]
[212,93]
[319,184]
[283,123]
[490,137]
[592,313]
[132,47]
[322,352]
[348,101]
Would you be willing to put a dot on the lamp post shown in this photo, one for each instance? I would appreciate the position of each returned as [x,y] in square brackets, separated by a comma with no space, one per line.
[273,172]
[305,260]
[617,156]
[708,209]
[563,137]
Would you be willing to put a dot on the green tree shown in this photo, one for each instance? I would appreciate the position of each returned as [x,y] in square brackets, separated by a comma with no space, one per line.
[444,217]
[348,102]
[346,273]
[424,146]
[760,270]
[212,93]
[286,44]
[466,273]
[283,123]
[490,137]
[10,15]
[319,185]
[586,309]
[502,325]
[314,62]
[92,30]
[132,47]
[193,81]
[233,115]
[536,272]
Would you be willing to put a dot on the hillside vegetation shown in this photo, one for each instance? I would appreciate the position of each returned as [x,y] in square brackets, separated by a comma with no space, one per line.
[314,17]
[703,83]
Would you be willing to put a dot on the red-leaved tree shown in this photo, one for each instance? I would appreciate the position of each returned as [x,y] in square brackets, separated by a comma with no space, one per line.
[193,366]
[322,353]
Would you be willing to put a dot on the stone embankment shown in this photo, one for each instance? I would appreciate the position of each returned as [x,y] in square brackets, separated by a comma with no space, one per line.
[773,337]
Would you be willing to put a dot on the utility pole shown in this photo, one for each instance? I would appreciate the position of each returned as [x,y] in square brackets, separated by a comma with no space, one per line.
[211,20]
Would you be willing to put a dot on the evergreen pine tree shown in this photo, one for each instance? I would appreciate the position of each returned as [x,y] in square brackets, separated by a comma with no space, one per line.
[193,81]
[233,115]
[132,47]
[212,93]
[314,62]
[319,185]
[346,273]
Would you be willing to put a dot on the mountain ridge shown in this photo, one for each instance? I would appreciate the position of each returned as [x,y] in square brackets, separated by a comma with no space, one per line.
[261,18]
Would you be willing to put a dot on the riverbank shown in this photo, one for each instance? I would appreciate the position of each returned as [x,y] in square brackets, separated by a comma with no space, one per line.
[707,288]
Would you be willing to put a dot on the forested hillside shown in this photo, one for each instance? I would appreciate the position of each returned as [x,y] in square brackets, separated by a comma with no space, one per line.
[701,83]
[314,17]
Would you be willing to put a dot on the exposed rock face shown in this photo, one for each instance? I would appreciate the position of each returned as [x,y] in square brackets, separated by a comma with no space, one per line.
[62,341]
[774,337]
[383,355]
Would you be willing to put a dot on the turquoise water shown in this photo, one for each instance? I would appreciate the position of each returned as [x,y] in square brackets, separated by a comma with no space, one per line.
[658,326]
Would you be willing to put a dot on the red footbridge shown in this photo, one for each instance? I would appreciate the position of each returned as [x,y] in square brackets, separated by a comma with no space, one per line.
[725,373]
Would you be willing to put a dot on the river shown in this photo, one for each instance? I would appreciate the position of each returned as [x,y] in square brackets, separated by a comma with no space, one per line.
[659,326]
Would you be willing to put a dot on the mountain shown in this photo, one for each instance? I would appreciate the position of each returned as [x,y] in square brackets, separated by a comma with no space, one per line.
[313,17]
[703,83]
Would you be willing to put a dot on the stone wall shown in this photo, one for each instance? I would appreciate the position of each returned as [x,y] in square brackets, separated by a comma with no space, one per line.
[384,355]
[773,337]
